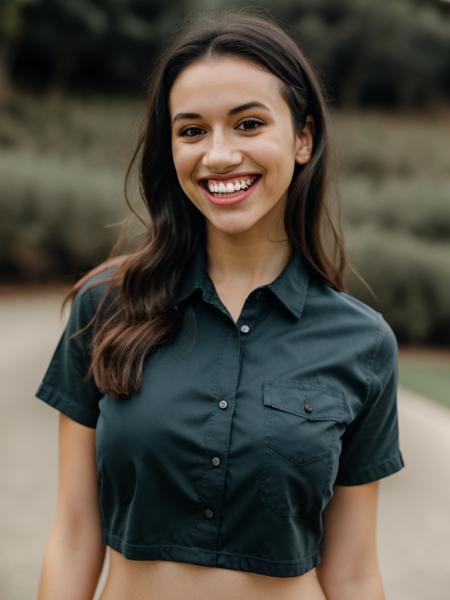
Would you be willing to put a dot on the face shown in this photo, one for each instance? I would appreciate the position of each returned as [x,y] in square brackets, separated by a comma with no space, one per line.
[245,154]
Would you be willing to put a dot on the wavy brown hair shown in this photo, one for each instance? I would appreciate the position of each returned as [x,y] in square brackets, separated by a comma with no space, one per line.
[145,280]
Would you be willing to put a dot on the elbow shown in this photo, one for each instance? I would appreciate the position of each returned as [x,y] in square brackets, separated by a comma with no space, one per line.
[366,585]
[72,564]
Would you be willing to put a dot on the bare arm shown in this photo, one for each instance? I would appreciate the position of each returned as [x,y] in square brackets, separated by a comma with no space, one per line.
[349,567]
[74,554]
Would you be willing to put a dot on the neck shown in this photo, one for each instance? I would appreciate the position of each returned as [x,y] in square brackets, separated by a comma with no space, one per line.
[245,263]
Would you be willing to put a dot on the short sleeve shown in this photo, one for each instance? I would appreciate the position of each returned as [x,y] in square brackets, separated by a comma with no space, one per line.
[62,385]
[370,444]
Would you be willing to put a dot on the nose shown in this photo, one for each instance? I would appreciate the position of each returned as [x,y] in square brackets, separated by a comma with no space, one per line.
[221,154]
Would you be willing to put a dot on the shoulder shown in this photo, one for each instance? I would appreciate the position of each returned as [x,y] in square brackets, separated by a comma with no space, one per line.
[341,307]
[383,332]
[384,336]
[353,322]
[97,286]
[97,283]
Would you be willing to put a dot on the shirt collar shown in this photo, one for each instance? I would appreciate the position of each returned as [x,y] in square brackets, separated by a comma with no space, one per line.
[289,287]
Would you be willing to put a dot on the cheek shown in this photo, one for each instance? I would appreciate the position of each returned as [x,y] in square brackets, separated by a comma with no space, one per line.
[280,155]
[271,151]
[184,168]
[185,163]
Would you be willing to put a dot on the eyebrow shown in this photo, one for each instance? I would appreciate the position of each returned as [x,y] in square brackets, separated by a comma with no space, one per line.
[232,111]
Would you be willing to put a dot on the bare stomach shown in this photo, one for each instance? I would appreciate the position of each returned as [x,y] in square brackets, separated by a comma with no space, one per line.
[169,580]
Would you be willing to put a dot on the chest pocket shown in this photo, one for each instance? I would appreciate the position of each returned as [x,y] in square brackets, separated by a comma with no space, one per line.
[303,423]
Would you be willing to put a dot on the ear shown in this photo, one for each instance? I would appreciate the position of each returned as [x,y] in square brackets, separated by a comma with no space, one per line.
[304,142]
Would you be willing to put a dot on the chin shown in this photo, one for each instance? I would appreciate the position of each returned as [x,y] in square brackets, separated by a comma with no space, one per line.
[231,228]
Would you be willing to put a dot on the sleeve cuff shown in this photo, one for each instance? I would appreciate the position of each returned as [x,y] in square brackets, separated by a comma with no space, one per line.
[367,474]
[76,412]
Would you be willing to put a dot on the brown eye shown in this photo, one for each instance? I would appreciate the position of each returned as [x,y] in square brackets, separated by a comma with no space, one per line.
[256,123]
[184,133]
[249,125]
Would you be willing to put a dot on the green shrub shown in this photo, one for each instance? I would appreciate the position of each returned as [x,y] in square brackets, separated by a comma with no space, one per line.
[381,144]
[418,205]
[62,169]
[55,215]
[411,279]
[98,131]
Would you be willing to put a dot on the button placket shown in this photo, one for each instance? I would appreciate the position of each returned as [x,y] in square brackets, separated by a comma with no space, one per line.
[211,488]
[252,310]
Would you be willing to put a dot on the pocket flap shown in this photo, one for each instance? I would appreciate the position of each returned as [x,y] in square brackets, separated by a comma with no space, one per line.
[307,400]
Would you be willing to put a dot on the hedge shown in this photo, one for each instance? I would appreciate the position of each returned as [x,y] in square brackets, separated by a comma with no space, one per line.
[410,277]
[57,216]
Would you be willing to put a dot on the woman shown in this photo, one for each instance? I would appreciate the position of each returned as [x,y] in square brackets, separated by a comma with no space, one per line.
[227,409]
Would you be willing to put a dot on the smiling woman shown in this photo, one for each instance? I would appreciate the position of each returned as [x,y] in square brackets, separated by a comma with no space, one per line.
[222,152]
[227,408]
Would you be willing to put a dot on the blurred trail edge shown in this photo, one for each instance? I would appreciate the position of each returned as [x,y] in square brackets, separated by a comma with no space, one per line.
[414,516]
[414,526]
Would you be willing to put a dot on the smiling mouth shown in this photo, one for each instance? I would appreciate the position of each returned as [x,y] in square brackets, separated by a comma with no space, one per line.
[254,179]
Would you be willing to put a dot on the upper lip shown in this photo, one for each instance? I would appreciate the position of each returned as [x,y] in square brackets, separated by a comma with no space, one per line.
[222,177]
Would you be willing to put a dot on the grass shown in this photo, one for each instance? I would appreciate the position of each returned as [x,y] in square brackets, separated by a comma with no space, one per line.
[425,377]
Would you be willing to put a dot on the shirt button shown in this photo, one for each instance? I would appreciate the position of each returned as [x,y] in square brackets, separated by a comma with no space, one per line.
[223,404]
[245,328]
[209,513]
[308,407]
[215,461]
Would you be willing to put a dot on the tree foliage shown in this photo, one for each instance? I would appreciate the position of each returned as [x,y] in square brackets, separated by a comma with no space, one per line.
[368,52]
[95,45]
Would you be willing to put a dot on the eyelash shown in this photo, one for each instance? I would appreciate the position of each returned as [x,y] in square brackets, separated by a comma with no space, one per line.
[257,121]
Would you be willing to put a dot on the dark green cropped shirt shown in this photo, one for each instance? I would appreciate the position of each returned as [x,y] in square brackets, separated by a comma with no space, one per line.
[228,454]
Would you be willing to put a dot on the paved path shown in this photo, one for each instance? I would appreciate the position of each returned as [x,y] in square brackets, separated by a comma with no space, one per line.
[414,517]
[414,510]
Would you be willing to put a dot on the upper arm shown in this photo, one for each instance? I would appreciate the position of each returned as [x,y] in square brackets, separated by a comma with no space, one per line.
[78,503]
[349,543]
[67,384]
[370,443]
[75,550]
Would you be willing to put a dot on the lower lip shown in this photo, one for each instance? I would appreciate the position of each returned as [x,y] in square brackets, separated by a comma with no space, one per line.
[231,200]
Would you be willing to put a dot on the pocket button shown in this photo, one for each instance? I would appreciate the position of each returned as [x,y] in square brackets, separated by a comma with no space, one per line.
[308,407]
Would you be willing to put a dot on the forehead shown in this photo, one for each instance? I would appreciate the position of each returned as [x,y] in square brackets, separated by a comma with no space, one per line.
[219,83]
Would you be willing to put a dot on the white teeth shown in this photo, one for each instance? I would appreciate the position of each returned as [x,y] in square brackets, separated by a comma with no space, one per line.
[229,187]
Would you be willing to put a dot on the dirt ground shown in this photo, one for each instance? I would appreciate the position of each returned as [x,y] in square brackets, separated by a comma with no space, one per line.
[414,505]
[436,355]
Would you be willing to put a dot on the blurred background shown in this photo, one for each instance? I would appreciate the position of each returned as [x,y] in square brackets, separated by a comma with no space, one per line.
[72,81]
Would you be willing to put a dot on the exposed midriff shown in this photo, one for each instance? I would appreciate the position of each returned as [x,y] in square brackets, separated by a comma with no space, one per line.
[170,580]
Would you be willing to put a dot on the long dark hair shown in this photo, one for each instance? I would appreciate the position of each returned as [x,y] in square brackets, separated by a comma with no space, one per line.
[145,280]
